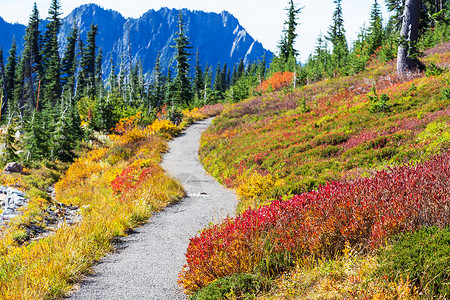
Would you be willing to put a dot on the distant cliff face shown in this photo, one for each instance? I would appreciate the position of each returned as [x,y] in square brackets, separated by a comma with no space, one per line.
[217,37]
[9,32]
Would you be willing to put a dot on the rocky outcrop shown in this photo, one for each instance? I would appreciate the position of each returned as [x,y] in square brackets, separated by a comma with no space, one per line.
[11,200]
[13,167]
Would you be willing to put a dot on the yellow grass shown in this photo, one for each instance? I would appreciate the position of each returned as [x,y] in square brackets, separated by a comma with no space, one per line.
[48,268]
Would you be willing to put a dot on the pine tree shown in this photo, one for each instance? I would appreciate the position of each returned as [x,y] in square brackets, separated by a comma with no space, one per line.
[69,63]
[218,82]
[112,79]
[207,79]
[287,43]
[9,153]
[336,35]
[170,89]
[51,58]
[10,74]
[64,135]
[87,66]
[224,78]
[182,81]
[198,81]
[2,83]
[158,84]
[38,136]
[31,60]
[240,69]
[99,73]
[17,104]
[104,116]
[428,8]
[375,33]
[80,87]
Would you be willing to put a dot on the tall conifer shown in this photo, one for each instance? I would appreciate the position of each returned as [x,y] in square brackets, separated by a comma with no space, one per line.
[182,81]
[51,58]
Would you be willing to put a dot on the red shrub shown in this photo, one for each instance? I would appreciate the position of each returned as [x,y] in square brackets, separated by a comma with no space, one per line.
[363,213]
[130,179]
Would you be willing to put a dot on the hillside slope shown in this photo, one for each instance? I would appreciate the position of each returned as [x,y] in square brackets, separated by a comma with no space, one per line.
[332,172]
[330,130]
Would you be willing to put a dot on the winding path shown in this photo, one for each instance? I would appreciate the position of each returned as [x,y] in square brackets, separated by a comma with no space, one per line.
[147,263]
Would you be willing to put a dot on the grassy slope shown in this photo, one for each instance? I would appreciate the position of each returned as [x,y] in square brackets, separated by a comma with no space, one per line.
[273,146]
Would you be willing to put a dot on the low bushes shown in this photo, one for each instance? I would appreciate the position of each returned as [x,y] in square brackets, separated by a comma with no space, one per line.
[363,213]
[236,286]
[423,257]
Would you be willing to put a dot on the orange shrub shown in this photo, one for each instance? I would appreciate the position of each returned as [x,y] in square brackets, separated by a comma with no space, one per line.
[278,81]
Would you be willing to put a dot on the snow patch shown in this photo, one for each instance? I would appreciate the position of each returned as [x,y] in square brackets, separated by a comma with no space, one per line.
[249,52]
[241,36]
[225,18]
[236,30]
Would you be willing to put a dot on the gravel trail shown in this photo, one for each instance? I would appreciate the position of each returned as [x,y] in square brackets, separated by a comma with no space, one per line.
[147,262]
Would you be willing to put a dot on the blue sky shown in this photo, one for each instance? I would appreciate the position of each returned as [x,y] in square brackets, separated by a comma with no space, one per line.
[263,19]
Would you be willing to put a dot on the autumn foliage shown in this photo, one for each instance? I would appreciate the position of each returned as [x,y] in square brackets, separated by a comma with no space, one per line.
[363,213]
[278,81]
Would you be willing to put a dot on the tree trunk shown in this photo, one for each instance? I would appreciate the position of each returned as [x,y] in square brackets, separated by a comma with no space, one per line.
[408,35]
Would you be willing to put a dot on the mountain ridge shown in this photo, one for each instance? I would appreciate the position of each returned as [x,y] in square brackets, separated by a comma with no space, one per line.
[218,37]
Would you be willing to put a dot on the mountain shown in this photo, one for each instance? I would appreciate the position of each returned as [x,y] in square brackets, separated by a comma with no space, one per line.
[217,37]
[9,32]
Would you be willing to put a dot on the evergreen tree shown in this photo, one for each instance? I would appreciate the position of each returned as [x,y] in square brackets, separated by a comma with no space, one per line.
[426,11]
[182,81]
[10,74]
[31,60]
[99,73]
[19,92]
[287,43]
[38,136]
[234,75]
[262,65]
[336,35]
[170,89]
[158,85]
[218,82]
[104,115]
[375,33]
[50,56]
[65,135]
[2,82]
[240,69]
[198,81]
[224,78]
[207,79]
[69,63]
[9,152]
[80,88]
[88,67]
[112,79]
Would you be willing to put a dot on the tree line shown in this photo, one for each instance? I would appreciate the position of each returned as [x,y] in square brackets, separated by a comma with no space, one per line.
[56,97]
[378,40]
[333,56]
